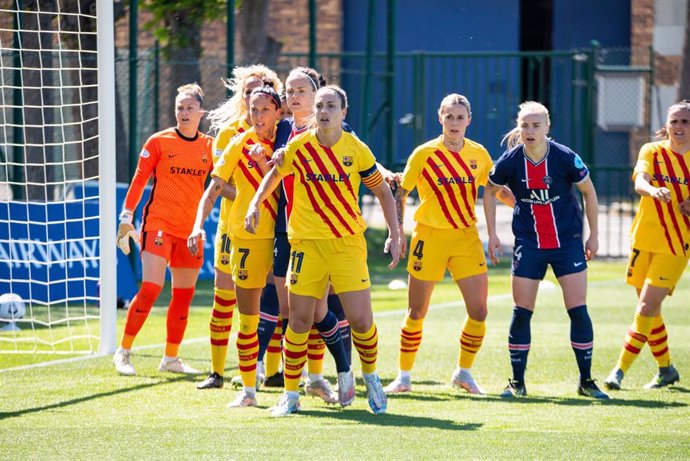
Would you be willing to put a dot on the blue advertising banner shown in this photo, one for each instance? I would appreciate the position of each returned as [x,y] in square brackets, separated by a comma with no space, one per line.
[49,252]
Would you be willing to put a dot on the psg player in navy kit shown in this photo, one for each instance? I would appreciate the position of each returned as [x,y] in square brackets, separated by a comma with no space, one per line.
[547,224]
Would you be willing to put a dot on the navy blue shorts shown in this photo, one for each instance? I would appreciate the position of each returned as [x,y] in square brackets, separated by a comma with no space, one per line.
[531,262]
[281,254]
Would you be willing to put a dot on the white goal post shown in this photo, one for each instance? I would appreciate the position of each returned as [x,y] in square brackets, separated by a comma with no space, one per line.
[57,176]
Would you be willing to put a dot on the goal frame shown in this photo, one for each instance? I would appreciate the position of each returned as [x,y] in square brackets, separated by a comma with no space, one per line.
[106,181]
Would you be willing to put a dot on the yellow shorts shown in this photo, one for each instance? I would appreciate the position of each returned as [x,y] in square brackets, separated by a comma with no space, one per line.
[433,250]
[251,260]
[342,261]
[221,256]
[656,269]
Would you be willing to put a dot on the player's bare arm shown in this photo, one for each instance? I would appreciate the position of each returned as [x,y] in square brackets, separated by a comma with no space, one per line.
[205,206]
[385,196]
[229,191]
[505,196]
[643,186]
[268,185]
[400,201]
[494,243]
[589,196]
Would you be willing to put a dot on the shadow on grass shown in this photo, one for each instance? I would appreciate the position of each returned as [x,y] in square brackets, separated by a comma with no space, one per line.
[447,395]
[583,401]
[389,419]
[160,380]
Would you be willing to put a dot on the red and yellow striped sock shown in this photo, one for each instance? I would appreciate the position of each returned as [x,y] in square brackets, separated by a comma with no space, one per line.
[220,324]
[295,356]
[248,348]
[410,340]
[176,323]
[470,341]
[634,341]
[658,342]
[274,356]
[138,312]
[366,344]
[315,350]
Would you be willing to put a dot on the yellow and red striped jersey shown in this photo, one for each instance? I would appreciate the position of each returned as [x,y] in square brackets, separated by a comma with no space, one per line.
[222,140]
[326,188]
[659,227]
[245,173]
[179,167]
[447,182]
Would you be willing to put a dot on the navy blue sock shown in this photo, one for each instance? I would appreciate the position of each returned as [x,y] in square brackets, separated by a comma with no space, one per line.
[345,330]
[519,341]
[330,332]
[268,318]
[582,339]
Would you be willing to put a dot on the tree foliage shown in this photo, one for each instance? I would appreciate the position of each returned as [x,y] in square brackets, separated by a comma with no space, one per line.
[176,24]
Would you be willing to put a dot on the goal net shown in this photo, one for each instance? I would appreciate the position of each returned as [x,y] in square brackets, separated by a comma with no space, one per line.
[57,185]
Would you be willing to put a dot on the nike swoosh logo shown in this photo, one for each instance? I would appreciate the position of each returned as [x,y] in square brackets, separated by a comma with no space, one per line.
[306,160]
[172,155]
[525,180]
[364,280]
[578,264]
[664,278]
[481,264]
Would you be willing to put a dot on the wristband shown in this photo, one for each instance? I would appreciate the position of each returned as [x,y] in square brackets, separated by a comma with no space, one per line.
[126,217]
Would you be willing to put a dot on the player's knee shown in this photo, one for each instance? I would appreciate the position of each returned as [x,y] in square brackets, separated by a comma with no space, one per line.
[478,312]
[361,323]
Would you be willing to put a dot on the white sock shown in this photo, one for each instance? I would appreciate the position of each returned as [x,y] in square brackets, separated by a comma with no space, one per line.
[251,390]
[315,377]
[405,375]
[168,359]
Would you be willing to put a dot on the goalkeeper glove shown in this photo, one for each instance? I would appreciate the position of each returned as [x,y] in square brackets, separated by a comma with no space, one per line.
[125,231]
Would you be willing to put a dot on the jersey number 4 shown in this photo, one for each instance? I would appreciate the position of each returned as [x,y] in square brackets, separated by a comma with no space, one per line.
[418,250]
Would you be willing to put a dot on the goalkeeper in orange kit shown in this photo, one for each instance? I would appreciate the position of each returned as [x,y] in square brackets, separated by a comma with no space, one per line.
[179,159]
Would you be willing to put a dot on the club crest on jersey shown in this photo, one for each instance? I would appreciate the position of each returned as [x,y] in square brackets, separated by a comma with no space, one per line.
[224,259]
[203,158]
[293,278]
[242,274]
[417,265]
[347,160]
[159,239]
[144,153]
[547,180]
[473,164]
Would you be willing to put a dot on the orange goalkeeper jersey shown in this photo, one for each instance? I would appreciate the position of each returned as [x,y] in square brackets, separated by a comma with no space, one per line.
[179,167]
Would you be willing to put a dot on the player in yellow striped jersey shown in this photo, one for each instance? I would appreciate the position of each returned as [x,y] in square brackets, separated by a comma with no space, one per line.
[245,160]
[447,172]
[229,119]
[326,235]
[660,240]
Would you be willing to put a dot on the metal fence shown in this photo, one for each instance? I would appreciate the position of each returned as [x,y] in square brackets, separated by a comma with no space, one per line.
[599,105]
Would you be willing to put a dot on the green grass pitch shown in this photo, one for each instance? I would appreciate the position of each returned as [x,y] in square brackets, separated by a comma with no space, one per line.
[83,410]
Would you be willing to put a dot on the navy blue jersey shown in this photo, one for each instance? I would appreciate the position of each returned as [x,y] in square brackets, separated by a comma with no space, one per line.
[547,215]
[282,138]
